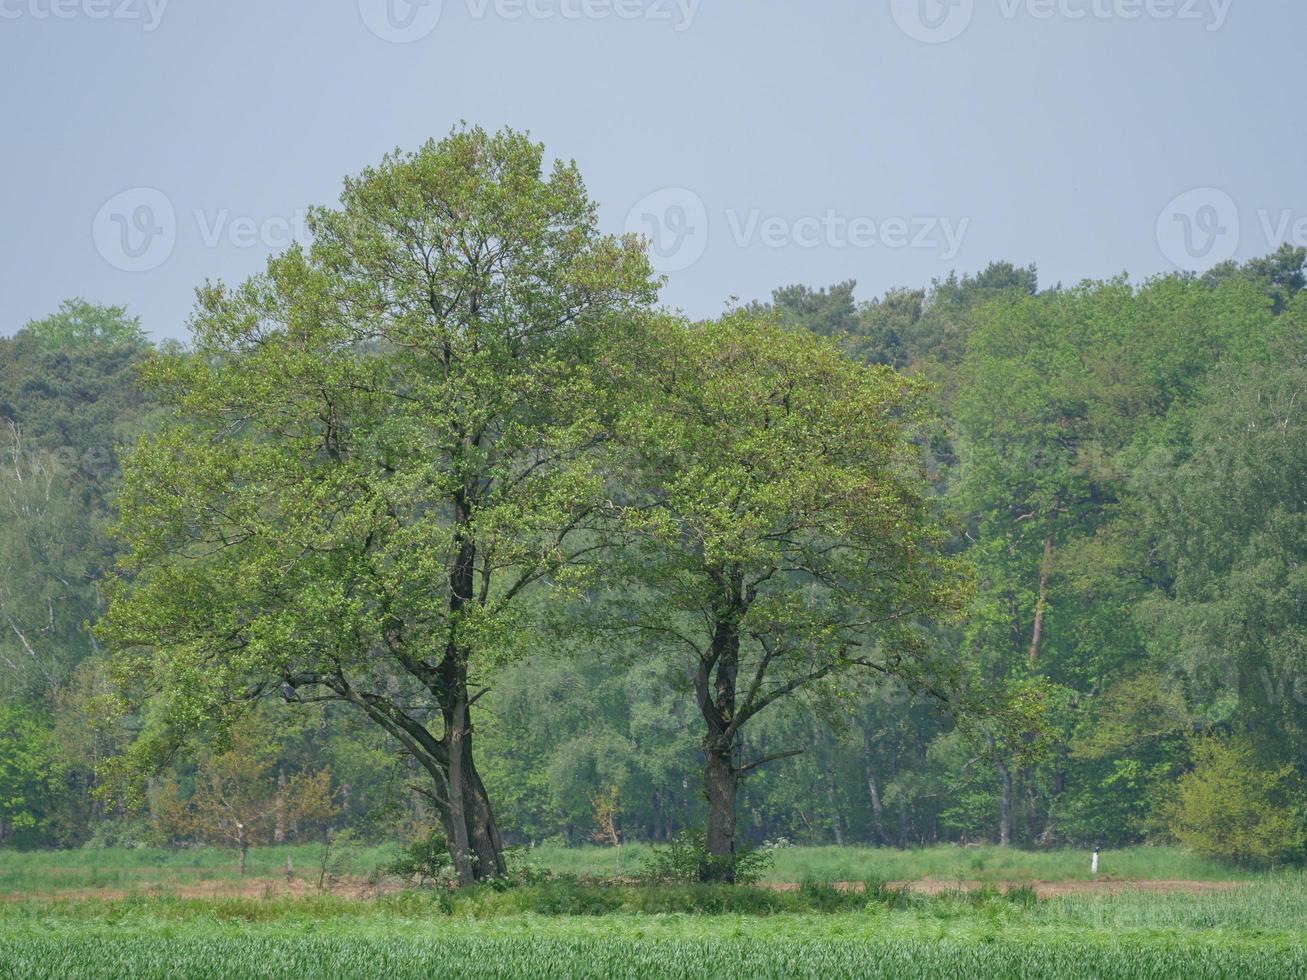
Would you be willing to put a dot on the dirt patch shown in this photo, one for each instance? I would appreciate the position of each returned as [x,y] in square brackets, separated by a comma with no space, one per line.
[356,888]
[360,889]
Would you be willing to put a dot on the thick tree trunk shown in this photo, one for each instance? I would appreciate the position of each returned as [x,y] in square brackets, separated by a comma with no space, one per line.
[474,842]
[716,697]
[460,849]
[483,831]
[720,785]
[475,846]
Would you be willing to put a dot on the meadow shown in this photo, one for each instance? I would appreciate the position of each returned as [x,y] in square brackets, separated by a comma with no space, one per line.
[50,873]
[145,913]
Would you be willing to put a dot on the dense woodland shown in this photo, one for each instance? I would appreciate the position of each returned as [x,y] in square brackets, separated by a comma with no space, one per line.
[1105,558]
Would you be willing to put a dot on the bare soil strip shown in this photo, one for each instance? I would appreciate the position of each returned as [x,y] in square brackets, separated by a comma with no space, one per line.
[1044,889]
[359,888]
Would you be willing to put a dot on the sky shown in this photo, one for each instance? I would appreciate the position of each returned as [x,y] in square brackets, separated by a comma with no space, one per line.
[150,145]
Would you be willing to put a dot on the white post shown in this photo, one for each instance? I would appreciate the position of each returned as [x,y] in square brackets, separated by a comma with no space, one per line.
[1093,864]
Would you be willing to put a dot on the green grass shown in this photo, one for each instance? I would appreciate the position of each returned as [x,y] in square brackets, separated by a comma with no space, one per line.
[568,927]
[153,869]
[140,868]
[419,935]
[985,864]
[144,869]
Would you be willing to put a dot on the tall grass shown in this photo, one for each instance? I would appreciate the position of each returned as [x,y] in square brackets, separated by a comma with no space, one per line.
[947,863]
[148,869]
[31,872]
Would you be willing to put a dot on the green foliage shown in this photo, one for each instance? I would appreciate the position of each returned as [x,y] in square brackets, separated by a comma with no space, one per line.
[79,325]
[32,777]
[379,449]
[686,858]
[67,404]
[425,861]
[825,312]
[779,534]
[1231,806]
[1121,465]
[1229,522]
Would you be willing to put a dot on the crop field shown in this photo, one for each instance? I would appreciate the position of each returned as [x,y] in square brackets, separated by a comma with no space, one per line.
[140,914]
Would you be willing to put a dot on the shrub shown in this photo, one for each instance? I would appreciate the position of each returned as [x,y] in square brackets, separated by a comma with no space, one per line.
[1229,806]
[425,861]
[687,859]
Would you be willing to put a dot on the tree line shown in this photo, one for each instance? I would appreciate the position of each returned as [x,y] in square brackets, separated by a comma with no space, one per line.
[443,518]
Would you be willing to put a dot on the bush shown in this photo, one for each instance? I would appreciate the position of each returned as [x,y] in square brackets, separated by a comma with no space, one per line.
[687,859]
[1228,806]
[425,862]
[126,833]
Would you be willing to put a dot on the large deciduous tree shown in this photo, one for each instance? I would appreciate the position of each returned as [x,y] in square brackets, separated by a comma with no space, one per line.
[375,449]
[781,528]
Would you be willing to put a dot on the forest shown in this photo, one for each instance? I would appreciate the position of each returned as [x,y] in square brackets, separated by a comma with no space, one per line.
[443,529]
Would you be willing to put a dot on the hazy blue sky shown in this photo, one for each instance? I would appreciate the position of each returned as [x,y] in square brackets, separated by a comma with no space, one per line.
[149,145]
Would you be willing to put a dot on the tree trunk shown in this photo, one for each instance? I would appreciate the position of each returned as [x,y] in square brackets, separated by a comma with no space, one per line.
[1004,804]
[873,793]
[832,797]
[474,841]
[1042,601]
[483,831]
[716,697]
[279,811]
[476,848]
[1046,837]
[1032,817]
[460,850]
[720,784]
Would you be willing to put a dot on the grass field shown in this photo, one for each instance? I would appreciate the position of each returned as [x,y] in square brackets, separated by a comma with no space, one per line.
[117,914]
[144,869]
[985,864]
